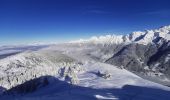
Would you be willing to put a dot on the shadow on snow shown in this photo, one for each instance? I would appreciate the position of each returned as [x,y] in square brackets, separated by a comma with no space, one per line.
[49,86]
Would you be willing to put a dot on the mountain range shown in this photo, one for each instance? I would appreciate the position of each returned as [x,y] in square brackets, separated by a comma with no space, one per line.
[118,67]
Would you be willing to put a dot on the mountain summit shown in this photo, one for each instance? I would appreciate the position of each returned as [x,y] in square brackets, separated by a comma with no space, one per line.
[146,37]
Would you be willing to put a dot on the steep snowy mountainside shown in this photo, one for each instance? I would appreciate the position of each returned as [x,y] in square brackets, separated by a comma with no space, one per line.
[151,60]
[147,54]
[117,39]
[143,53]
[134,57]
[145,37]
[150,35]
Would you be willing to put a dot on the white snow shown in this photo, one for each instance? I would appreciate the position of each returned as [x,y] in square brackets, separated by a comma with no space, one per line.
[121,84]
[138,37]
[117,39]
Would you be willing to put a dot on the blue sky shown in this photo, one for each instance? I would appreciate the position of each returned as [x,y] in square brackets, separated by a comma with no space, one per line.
[27,21]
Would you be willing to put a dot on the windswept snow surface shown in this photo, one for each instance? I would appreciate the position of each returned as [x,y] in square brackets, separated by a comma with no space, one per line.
[120,85]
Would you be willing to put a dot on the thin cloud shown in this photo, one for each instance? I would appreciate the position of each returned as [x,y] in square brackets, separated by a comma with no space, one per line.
[160,13]
[97,12]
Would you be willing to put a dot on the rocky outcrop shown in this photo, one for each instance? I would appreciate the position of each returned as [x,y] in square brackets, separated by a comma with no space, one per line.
[160,61]
[133,56]
[151,60]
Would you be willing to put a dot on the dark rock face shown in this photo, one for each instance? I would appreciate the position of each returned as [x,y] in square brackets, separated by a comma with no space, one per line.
[161,59]
[135,57]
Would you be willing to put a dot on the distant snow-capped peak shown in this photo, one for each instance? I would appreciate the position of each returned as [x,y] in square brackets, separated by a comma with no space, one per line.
[145,37]
[150,35]
[117,39]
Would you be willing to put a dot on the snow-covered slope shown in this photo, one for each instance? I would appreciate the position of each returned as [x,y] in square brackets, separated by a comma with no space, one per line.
[97,80]
[140,52]
[22,67]
[145,37]
[117,39]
